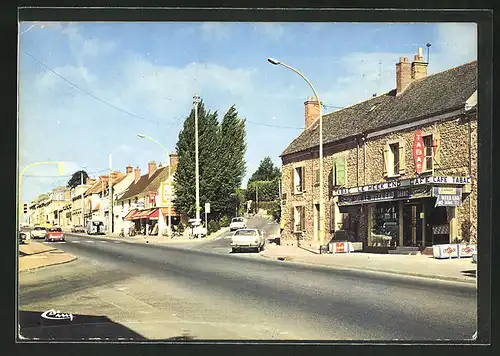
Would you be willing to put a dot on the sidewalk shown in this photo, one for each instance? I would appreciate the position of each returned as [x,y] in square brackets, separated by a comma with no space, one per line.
[462,270]
[36,255]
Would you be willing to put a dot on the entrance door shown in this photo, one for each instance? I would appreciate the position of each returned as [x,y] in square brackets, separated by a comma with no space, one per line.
[412,224]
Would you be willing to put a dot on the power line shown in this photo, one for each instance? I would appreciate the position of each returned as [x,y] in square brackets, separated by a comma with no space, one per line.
[88,93]
[276,126]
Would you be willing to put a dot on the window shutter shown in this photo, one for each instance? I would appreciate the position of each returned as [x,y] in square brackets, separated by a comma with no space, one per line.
[402,158]
[302,218]
[302,181]
[386,159]
[294,171]
[317,175]
[341,171]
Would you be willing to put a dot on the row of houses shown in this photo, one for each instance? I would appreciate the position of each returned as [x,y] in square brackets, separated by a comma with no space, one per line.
[400,169]
[120,200]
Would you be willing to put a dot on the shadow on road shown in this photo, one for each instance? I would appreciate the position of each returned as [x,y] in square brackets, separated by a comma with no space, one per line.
[469,273]
[81,327]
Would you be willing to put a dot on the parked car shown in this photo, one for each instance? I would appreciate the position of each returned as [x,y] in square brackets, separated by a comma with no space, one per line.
[95,227]
[22,237]
[247,239]
[78,228]
[237,223]
[39,232]
[54,234]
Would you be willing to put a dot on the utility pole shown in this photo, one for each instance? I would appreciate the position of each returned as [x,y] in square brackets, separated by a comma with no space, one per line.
[83,203]
[197,169]
[256,198]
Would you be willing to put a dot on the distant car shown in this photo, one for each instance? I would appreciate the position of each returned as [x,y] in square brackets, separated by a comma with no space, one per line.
[22,237]
[78,228]
[237,223]
[244,239]
[54,234]
[39,232]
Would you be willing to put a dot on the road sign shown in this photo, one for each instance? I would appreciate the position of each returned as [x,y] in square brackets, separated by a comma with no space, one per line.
[207,208]
[166,192]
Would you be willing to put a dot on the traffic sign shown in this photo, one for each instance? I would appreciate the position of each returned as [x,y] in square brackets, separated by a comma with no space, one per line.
[207,208]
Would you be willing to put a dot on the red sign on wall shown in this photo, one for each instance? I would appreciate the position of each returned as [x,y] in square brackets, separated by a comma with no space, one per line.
[152,198]
[418,151]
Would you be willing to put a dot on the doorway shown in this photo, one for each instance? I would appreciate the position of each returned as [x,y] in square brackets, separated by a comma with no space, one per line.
[412,224]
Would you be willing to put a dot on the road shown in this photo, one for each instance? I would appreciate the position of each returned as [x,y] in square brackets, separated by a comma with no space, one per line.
[202,291]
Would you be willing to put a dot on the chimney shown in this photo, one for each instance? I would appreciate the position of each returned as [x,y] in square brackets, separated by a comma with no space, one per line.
[174,160]
[403,74]
[128,169]
[137,172]
[418,67]
[151,168]
[311,110]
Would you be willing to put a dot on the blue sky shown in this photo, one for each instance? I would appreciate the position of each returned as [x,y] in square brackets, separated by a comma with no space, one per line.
[152,71]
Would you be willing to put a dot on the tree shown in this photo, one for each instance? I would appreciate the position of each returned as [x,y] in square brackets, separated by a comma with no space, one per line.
[266,171]
[76,178]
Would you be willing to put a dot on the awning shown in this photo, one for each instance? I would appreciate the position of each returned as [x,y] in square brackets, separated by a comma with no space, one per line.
[154,215]
[130,214]
[143,214]
[164,212]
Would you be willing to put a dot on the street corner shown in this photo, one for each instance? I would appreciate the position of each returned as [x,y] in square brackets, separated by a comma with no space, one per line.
[33,248]
[44,259]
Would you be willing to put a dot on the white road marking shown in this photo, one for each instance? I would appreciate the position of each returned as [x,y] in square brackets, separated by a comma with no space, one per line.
[90,241]
[75,242]
[104,242]
[117,242]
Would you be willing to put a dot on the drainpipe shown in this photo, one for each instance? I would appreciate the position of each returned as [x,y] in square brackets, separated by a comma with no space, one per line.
[364,160]
[470,175]
[357,161]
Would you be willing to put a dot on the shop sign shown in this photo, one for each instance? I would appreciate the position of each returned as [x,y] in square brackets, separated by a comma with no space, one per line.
[139,204]
[403,183]
[446,196]
[418,151]
[152,198]
[166,193]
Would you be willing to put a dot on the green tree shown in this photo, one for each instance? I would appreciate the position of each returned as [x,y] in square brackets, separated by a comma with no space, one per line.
[266,171]
[76,178]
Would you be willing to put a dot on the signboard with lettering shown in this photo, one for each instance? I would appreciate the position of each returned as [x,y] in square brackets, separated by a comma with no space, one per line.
[447,196]
[418,151]
[166,193]
[372,197]
[403,183]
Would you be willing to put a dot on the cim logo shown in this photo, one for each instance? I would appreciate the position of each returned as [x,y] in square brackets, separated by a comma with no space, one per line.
[418,151]
[53,314]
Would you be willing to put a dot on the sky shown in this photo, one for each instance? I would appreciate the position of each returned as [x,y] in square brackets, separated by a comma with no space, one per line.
[87,89]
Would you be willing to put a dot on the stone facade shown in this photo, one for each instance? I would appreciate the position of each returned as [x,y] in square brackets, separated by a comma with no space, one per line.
[456,155]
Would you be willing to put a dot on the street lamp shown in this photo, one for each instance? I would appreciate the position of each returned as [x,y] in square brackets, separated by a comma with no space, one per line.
[321,197]
[169,173]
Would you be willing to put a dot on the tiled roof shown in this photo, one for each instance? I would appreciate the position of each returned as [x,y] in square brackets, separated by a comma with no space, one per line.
[431,95]
[144,182]
[97,187]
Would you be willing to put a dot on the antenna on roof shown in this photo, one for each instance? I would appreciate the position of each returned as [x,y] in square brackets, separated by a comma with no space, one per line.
[428,47]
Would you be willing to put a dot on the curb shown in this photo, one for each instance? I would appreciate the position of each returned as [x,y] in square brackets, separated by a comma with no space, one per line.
[48,265]
[371,269]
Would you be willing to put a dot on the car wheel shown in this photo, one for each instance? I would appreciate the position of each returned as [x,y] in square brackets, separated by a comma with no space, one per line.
[233,250]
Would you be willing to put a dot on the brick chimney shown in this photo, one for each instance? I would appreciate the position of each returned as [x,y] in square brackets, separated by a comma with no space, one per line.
[403,74]
[128,169]
[174,160]
[151,168]
[418,67]
[311,110]
[137,173]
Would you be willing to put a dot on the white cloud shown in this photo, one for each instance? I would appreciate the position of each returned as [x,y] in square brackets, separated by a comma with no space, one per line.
[215,31]
[272,31]
[78,75]
[82,46]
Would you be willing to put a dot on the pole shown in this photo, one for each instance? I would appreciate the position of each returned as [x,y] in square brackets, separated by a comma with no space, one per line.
[169,200]
[83,203]
[197,169]
[256,198]
[110,218]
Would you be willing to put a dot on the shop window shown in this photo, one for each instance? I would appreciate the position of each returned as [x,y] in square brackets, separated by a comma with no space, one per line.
[429,152]
[299,219]
[385,224]
[339,171]
[298,180]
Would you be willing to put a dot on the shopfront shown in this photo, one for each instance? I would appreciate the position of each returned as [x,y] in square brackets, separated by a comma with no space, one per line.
[414,212]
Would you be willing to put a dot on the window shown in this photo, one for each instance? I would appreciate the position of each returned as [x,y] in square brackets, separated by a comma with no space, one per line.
[283,197]
[429,156]
[299,219]
[317,176]
[394,149]
[394,159]
[298,180]
[123,203]
[339,171]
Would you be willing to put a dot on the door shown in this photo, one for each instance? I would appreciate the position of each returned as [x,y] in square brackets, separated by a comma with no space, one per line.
[412,224]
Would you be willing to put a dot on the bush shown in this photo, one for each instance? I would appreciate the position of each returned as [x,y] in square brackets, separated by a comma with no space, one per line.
[213,226]
[224,222]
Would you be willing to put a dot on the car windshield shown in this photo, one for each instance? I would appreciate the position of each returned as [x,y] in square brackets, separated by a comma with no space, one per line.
[237,219]
[39,228]
[55,229]
[246,233]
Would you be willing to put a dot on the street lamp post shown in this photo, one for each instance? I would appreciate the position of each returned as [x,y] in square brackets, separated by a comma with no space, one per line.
[196,100]
[169,173]
[321,197]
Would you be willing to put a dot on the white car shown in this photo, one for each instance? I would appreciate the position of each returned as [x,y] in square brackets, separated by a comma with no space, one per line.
[247,239]
[39,232]
[237,223]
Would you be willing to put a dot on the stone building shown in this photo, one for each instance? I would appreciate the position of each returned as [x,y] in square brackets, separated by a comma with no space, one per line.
[400,168]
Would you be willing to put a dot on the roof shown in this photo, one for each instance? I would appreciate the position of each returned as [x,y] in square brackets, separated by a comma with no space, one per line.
[145,183]
[430,95]
[98,186]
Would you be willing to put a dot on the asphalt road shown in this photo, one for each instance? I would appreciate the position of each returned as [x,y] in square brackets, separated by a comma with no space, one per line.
[202,291]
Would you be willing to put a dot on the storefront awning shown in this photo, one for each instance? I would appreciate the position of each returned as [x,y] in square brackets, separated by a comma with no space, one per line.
[155,214]
[130,215]
[143,214]
[164,212]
